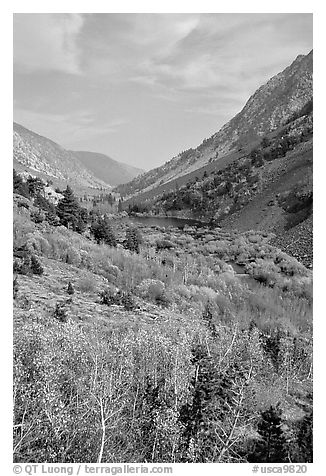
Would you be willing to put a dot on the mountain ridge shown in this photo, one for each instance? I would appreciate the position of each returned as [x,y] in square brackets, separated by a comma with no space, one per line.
[103,166]
[40,155]
[266,109]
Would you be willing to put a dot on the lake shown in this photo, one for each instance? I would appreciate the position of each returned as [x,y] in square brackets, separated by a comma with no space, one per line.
[167,221]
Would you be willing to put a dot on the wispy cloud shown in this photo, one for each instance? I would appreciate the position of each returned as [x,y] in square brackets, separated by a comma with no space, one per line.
[47,42]
[69,127]
[144,86]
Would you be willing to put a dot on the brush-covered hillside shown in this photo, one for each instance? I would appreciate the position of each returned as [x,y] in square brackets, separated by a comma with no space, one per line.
[156,345]
[265,111]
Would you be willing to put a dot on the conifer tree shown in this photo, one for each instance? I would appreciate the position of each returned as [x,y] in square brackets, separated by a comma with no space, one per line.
[102,231]
[19,186]
[68,210]
[272,446]
[133,239]
[304,440]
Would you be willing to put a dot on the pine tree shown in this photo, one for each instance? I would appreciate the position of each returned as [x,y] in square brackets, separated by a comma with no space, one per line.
[102,231]
[304,440]
[68,209]
[133,239]
[272,446]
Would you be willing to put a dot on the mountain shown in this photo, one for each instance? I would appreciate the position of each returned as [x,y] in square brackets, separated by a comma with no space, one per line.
[38,155]
[265,111]
[41,156]
[107,169]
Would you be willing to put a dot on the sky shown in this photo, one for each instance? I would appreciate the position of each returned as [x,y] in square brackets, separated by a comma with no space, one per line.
[139,87]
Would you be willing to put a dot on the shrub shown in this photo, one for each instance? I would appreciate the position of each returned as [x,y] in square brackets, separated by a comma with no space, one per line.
[127,301]
[37,216]
[153,290]
[60,312]
[164,245]
[70,288]
[15,287]
[86,284]
[133,239]
[36,266]
[72,256]
[109,296]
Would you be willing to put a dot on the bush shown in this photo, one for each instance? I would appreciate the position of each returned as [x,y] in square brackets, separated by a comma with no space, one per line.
[37,216]
[164,245]
[60,312]
[70,288]
[133,239]
[111,297]
[36,266]
[86,284]
[72,256]
[128,302]
[153,290]
[15,287]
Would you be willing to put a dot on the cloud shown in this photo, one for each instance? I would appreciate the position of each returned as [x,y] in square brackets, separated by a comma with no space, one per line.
[227,49]
[70,127]
[47,42]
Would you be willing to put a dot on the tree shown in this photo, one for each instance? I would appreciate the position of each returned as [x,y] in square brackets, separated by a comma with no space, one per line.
[35,186]
[304,440]
[272,446]
[102,231]
[120,208]
[19,186]
[69,210]
[133,239]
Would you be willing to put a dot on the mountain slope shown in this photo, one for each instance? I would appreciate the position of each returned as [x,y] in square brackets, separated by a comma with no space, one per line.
[107,169]
[41,156]
[267,109]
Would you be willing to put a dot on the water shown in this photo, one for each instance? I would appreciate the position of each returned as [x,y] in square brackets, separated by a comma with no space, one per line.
[167,221]
[238,268]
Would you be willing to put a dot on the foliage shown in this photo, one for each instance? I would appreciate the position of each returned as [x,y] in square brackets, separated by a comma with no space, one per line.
[272,445]
[19,186]
[102,231]
[199,382]
[15,287]
[133,239]
[70,213]
[60,312]
[70,288]
[36,266]
[110,296]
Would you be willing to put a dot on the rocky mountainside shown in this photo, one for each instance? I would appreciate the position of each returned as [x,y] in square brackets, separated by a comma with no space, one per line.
[107,169]
[41,156]
[38,155]
[265,111]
